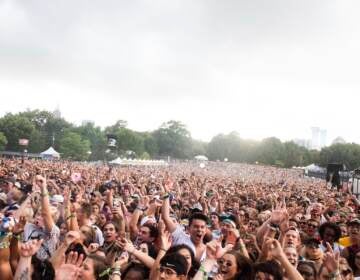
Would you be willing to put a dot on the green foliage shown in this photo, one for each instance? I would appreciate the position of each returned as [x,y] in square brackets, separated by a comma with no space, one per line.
[14,128]
[44,129]
[173,139]
[96,138]
[3,141]
[349,154]
[72,146]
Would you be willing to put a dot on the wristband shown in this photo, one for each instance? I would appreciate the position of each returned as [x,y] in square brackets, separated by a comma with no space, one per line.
[71,216]
[162,249]
[335,274]
[202,269]
[165,196]
[44,194]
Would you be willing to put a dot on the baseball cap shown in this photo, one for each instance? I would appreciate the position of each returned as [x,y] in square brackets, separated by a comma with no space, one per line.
[354,222]
[175,262]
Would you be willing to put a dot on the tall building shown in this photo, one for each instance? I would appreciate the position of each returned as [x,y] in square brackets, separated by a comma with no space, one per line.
[323,134]
[315,138]
[57,112]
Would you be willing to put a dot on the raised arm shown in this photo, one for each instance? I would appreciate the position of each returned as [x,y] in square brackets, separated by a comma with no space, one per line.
[165,210]
[277,253]
[45,203]
[27,250]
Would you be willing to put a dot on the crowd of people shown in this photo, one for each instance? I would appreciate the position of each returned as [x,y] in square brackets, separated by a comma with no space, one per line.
[65,220]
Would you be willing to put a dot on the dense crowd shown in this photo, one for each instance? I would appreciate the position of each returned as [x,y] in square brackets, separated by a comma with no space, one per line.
[65,220]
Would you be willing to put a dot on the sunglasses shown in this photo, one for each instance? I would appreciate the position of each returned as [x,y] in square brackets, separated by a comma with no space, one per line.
[227,263]
[312,225]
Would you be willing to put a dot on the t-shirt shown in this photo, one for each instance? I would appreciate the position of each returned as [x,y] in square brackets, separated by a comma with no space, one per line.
[99,238]
[50,242]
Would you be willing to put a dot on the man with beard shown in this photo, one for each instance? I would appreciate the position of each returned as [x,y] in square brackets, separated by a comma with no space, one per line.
[197,230]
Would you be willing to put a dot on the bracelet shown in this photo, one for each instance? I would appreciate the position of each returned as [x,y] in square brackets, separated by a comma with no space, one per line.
[165,196]
[17,236]
[162,249]
[44,194]
[335,274]
[116,272]
[202,269]
[71,216]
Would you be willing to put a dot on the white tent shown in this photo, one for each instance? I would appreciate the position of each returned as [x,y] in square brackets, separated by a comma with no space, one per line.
[116,161]
[201,157]
[313,168]
[50,153]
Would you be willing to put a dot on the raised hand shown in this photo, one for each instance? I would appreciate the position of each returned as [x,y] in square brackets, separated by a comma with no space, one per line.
[213,249]
[93,247]
[40,181]
[67,271]
[331,259]
[126,245]
[30,248]
[165,236]
[73,258]
[71,236]
[274,248]
[19,227]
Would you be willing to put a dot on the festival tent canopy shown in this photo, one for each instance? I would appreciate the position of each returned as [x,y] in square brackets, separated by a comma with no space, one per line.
[116,161]
[50,153]
[201,157]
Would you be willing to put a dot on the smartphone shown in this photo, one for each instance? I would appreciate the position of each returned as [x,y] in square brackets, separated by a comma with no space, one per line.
[116,202]
[231,238]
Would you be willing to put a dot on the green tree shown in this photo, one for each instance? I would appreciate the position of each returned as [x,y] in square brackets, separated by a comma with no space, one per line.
[150,144]
[271,151]
[15,127]
[96,137]
[72,146]
[3,141]
[173,139]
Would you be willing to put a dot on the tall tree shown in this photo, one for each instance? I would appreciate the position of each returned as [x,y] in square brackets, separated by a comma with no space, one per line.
[173,139]
[14,128]
[72,146]
[3,141]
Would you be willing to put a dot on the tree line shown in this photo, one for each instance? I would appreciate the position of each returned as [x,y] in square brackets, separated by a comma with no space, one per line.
[172,138]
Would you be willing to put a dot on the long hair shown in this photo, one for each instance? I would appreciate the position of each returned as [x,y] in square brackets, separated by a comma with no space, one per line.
[244,266]
[100,266]
[194,263]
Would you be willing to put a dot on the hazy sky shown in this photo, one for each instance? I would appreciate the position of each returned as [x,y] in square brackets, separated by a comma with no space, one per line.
[262,68]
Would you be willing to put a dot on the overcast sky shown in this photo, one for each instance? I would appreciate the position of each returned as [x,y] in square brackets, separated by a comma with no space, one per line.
[262,68]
